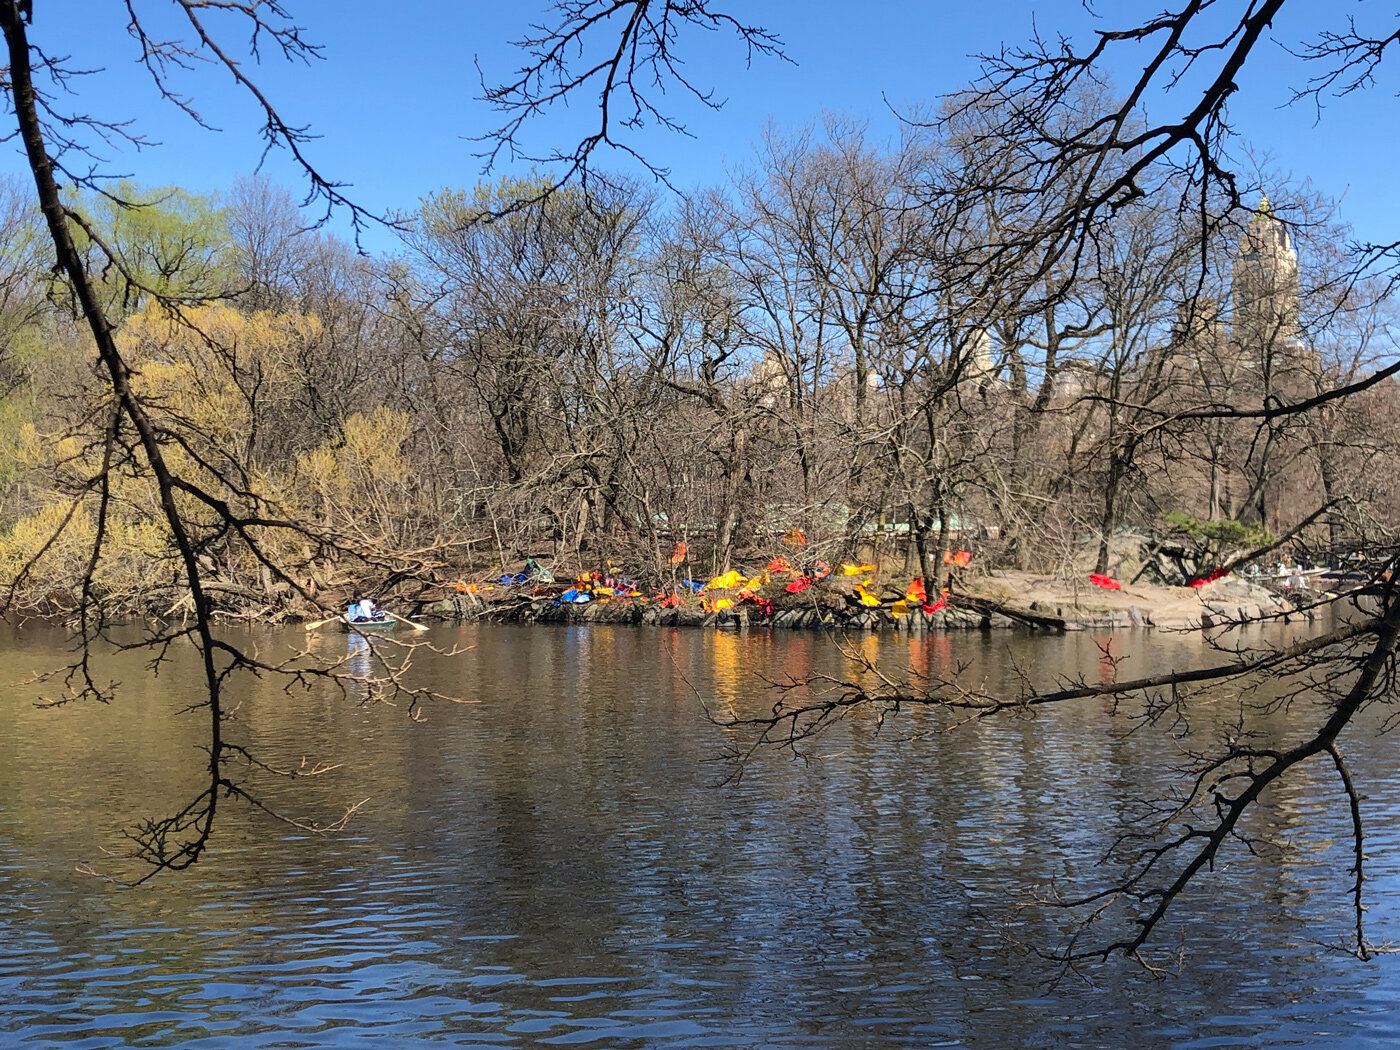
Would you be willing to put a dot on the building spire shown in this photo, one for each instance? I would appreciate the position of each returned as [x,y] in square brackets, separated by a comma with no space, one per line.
[1265,290]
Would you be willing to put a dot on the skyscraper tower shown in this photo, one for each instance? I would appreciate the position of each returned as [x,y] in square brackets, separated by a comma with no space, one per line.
[1265,289]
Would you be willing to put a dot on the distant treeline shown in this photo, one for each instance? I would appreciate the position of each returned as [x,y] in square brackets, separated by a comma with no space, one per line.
[836,342]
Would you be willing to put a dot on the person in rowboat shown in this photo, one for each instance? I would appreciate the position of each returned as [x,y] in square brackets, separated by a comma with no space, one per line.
[361,609]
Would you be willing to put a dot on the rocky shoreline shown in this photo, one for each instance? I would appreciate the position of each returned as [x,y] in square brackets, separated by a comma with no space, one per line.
[999,601]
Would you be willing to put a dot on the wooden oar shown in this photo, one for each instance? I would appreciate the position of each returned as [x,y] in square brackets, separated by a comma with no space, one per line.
[404,619]
[321,623]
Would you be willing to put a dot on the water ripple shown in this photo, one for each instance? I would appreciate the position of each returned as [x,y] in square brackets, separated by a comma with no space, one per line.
[554,866]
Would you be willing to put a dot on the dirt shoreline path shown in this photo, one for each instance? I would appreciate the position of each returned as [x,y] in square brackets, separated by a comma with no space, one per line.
[1141,604]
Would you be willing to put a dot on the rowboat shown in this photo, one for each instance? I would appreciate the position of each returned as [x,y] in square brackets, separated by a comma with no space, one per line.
[379,626]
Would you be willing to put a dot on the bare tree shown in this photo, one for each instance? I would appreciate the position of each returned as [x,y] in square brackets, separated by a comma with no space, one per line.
[622,54]
[201,500]
[1093,163]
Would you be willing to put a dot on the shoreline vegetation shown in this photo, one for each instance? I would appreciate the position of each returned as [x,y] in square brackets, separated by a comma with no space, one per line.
[852,597]
[1159,587]
[1155,584]
[606,378]
[1003,599]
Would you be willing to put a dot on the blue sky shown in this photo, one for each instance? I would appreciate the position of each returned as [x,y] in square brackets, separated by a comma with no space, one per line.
[394,100]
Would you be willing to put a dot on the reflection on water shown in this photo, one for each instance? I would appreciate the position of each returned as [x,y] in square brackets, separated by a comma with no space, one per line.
[359,655]
[555,864]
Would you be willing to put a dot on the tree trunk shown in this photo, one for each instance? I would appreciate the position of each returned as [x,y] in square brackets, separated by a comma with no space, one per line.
[729,511]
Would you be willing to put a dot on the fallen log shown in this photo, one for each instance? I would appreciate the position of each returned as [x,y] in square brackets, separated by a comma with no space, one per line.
[988,608]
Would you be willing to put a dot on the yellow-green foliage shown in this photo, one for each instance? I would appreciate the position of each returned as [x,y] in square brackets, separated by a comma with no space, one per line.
[44,550]
[360,487]
[48,550]
[199,370]
[203,376]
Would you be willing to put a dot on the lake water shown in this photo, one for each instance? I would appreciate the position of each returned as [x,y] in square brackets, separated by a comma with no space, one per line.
[557,863]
